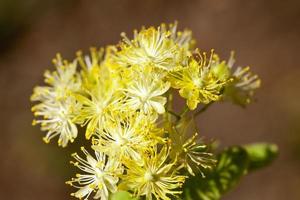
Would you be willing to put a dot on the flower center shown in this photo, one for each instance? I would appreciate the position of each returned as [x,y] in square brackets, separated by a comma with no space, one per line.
[149,176]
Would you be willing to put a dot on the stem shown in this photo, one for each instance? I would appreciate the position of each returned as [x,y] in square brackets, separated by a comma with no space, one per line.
[184,111]
[174,114]
[204,108]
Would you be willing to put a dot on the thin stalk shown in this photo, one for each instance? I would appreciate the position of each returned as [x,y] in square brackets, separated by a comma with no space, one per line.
[184,111]
[174,114]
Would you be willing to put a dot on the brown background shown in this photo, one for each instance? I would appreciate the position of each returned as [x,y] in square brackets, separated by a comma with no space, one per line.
[265,35]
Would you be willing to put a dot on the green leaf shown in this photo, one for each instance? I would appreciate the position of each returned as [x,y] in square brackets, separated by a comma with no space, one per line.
[122,195]
[232,165]
[261,155]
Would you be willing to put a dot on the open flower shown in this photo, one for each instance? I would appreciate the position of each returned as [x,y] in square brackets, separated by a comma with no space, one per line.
[181,38]
[127,137]
[101,175]
[155,178]
[196,82]
[99,102]
[243,86]
[60,82]
[145,92]
[190,153]
[91,67]
[57,120]
[57,108]
[149,47]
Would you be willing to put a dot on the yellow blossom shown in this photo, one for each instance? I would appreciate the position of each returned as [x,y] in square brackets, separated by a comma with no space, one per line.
[196,82]
[150,47]
[123,96]
[191,153]
[243,86]
[97,106]
[145,92]
[57,108]
[155,178]
[127,137]
[101,175]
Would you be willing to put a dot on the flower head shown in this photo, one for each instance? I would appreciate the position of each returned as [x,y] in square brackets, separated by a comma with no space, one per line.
[57,120]
[155,178]
[196,82]
[60,82]
[101,175]
[159,47]
[57,108]
[99,102]
[126,137]
[243,86]
[192,154]
[145,92]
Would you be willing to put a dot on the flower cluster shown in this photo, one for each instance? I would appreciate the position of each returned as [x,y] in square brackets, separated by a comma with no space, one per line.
[123,96]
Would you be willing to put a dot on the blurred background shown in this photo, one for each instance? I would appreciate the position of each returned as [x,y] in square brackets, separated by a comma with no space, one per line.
[264,33]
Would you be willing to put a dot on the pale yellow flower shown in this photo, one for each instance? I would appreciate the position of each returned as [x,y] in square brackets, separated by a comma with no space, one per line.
[90,67]
[97,103]
[145,92]
[60,82]
[57,120]
[101,176]
[155,178]
[190,153]
[243,86]
[149,47]
[196,82]
[182,38]
[57,108]
[127,137]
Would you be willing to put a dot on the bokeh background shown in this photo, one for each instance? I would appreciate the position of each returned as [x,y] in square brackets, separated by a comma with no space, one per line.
[264,33]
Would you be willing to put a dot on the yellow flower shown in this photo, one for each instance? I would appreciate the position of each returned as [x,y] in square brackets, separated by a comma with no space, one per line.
[191,154]
[57,120]
[101,176]
[127,137]
[61,81]
[123,96]
[57,108]
[149,47]
[183,39]
[90,65]
[97,106]
[196,82]
[155,178]
[243,86]
[145,92]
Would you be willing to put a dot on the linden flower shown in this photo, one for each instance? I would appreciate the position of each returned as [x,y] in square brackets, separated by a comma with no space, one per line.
[57,120]
[57,107]
[101,176]
[191,155]
[241,90]
[145,94]
[61,81]
[182,38]
[154,178]
[124,138]
[98,103]
[197,83]
[90,65]
[149,47]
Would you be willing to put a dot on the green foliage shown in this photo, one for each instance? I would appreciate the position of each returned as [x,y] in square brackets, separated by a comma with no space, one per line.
[261,154]
[233,163]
